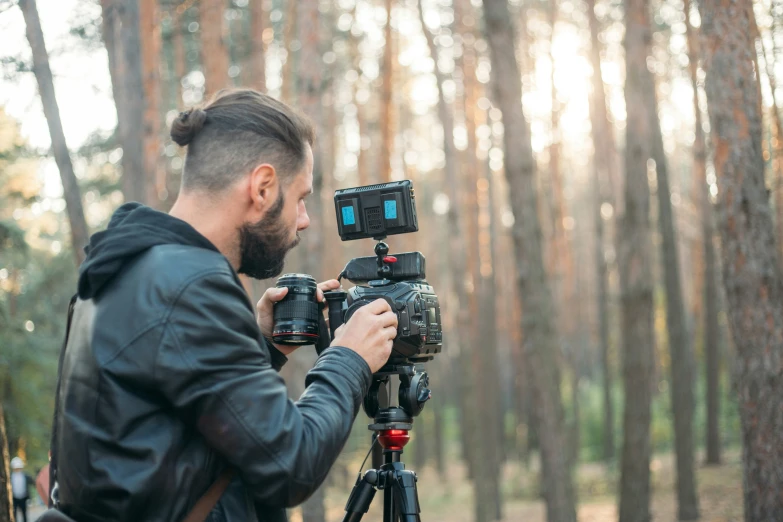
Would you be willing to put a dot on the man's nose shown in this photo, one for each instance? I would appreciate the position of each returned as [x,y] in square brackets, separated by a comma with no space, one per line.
[304,221]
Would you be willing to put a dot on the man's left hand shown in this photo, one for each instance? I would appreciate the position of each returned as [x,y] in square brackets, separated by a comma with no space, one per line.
[265,307]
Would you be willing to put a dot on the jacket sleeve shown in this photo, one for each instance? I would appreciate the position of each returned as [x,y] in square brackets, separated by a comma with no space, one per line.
[216,372]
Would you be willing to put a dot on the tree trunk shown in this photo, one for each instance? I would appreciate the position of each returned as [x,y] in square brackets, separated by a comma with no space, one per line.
[43,75]
[288,88]
[456,257]
[386,120]
[541,338]
[710,309]
[214,52]
[310,88]
[603,152]
[6,503]
[635,258]
[149,16]
[751,267]
[680,348]
[180,62]
[257,59]
[122,38]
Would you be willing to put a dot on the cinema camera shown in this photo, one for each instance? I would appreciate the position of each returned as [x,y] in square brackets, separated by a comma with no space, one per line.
[377,211]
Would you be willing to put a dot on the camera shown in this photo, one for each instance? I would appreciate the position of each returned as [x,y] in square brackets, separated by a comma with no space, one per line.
[374,211]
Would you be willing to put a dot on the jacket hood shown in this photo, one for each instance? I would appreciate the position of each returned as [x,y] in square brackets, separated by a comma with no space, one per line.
[133,229]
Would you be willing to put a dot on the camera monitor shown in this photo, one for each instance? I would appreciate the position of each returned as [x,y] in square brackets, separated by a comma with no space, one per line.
[376,211]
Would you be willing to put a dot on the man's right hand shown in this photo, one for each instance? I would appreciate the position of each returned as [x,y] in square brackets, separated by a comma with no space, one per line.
[370,333]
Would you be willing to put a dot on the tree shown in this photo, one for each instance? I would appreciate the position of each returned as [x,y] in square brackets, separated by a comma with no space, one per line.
[43,75]
[680,347]
[710,310]
[6,505]
[603,166]
[121,36]
[386,120]
[751,263]
[149,16]
[257,58]
[541,338]
[214,52]
[635,254]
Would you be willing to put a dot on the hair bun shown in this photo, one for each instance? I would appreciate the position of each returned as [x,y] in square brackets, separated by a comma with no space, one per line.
[186,125]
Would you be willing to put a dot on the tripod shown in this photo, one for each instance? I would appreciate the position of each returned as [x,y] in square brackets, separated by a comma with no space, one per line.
[390,429]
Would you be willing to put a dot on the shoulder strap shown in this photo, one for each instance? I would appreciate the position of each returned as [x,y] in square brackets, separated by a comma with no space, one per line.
[204,505]
[53,443]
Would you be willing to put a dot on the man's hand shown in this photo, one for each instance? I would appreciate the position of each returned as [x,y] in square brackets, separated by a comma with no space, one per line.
[265,310]
[370,333]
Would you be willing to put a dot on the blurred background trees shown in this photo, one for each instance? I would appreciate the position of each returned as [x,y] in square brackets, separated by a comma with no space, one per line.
[566,201]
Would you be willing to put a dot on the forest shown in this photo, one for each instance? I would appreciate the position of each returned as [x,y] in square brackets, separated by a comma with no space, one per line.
[600,202]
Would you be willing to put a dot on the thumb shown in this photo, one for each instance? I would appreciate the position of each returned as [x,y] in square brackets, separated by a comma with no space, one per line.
[278,294]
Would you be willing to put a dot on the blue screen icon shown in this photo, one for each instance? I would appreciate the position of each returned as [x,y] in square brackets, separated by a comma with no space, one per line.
[390,209]
[348,217]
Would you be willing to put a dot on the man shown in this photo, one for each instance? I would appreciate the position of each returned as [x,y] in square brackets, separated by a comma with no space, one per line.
[20,488]
[168,377]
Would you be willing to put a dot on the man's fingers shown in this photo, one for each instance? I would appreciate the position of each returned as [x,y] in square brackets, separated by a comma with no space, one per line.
[275,294]
[390,332]
[388,319]
[378,307]
[332,284]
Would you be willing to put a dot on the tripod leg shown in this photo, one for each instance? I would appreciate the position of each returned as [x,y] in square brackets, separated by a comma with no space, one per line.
[361,496]
[406,496]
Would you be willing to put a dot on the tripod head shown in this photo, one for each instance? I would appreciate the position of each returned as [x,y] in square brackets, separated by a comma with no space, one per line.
[412,396]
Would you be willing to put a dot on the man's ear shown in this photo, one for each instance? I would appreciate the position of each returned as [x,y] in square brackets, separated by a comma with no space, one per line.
[263,188]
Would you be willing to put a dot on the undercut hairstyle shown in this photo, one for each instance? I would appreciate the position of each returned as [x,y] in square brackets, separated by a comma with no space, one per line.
[235,132]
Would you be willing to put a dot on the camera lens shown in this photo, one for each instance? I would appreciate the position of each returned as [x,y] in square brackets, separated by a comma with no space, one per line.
[296,316]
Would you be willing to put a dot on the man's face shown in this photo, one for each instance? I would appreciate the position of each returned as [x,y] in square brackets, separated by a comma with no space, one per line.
[263,245]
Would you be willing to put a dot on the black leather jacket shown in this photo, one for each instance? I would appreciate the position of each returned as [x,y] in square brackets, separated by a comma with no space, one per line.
[167,380]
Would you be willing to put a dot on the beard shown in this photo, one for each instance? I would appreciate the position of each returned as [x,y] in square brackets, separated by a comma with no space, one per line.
[263,245]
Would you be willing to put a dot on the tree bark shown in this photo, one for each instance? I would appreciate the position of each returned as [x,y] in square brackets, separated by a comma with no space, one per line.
[310,88]
[214,52]
[43,75]
[456,249]
[680,348]
[151,44]
[751,264]
[386,120]
[603,152]
[635,255]
[180,61]
[122,38]
[6,503]
[541,338]
[288,88]
[710,309]
[257,60]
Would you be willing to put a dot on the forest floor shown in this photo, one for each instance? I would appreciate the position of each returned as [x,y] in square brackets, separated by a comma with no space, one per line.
[720,494]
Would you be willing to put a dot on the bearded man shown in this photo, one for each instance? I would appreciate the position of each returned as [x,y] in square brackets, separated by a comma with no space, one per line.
[169,377]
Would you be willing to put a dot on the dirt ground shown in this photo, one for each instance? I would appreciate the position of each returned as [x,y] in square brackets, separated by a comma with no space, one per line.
[720,494]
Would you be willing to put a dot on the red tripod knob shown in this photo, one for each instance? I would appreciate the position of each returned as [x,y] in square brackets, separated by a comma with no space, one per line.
[393,440]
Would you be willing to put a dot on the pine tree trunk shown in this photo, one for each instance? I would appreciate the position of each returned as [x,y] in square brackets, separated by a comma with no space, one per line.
[43,75]
[680,348]
[751,263]
[635,259]
[456,257]
[386,120]
[710,309]
[122,38]
[257,59]
[541,338]
[603,151]
[180,61]
[6,503]
[214,53]
[310,88]
[288,88]
[151,44]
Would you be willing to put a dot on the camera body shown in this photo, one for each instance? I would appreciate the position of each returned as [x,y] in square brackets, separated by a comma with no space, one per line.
[419,333]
